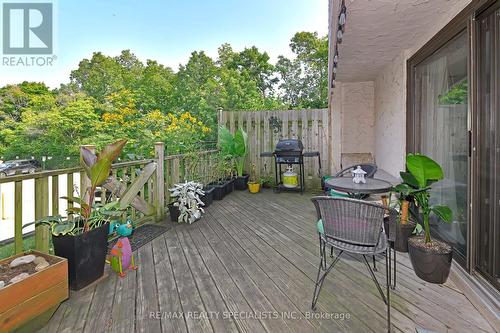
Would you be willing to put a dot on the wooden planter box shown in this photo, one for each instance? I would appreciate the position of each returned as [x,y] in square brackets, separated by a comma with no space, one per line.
[28,304]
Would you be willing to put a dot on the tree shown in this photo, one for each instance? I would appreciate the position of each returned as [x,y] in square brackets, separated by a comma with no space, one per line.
[304,80]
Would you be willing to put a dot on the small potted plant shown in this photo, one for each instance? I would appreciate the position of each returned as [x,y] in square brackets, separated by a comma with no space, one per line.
[195,171]
[430,258]
[188,202]
[254,182]
[405,224]
[235,148]
[217,176]
[82,237]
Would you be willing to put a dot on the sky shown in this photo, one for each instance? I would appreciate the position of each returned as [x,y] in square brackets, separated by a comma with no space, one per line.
[168,31]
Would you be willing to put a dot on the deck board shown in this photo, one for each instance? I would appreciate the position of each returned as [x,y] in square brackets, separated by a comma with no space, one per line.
[255,255]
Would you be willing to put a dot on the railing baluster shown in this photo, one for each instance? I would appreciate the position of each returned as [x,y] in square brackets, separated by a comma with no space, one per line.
[55,195]
[69,190]
[18,216]
[42,210]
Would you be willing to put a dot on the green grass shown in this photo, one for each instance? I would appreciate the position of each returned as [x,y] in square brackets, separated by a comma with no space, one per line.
[7,250]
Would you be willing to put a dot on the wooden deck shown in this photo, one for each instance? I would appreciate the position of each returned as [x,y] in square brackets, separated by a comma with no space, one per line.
[249,265]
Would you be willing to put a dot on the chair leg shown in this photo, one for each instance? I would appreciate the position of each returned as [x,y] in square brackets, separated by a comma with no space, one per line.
[331,251]
[321,276]
[374,264]
[374,279]
[388,287]
[394,283]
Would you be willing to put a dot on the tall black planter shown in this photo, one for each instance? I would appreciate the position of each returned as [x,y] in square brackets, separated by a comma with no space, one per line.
[240,183]
[429,265]
[229,186]
[403,231]
[174,212]
[219,191]
[208,198]
[86,254]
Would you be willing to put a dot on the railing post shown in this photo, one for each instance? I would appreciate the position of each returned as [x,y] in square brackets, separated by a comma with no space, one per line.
[160,180]
[84,179]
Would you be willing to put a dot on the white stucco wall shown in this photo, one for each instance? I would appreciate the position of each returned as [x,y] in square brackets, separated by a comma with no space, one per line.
[353,119]
[390,100]
[390,117]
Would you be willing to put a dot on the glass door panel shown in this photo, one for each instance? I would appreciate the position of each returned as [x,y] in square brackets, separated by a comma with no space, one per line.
[441,90]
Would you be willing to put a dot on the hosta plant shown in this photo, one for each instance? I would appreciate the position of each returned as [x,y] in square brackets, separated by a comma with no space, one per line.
[187,200]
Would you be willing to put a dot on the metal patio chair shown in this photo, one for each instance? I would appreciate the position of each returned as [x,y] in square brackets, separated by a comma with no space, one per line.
[353,226]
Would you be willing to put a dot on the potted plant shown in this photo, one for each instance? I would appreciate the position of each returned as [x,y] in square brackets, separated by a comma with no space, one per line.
[405,224]
[430,258]
[235,148]
[188,202]
[195,171]
[82,237]
[218,183]
[253,182]
[32,285]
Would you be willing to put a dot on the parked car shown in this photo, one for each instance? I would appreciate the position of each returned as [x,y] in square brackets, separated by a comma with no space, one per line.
[10,168]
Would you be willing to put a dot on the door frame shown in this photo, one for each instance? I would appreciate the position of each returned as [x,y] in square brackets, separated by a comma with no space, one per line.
[473,234]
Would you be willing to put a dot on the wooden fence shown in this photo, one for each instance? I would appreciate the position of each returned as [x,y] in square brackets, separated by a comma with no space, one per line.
[265,128]
[149,196]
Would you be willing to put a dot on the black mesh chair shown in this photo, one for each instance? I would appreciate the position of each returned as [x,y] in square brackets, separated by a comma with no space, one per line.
[353,226]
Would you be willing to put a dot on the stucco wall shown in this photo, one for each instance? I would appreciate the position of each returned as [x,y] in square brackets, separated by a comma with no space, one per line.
[353,119]
[390,100]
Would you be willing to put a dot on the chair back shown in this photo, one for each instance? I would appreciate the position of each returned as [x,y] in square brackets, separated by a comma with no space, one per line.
[351,221]
[369,168]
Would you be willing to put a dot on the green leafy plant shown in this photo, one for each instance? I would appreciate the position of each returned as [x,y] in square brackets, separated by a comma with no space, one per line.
[99,215]
[421,173]
[88,215]
[234,147]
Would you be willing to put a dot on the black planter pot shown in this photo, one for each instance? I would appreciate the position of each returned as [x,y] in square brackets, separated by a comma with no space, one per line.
[403,231]
[219,191]
[229,186]
[86,254]
[240,183]
[430,265]
[208,198]
[174,212]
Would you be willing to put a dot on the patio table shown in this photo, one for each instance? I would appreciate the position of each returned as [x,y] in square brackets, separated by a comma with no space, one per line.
[372,186]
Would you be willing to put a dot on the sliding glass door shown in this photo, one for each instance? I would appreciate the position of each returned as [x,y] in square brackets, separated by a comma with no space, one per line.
[440,102]
[487,198]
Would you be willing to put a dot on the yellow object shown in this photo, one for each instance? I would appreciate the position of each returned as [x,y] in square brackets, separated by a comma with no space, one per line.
[290,178]
[254,187]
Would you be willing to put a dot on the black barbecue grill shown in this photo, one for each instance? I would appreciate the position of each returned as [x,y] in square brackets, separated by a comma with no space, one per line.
[290,152]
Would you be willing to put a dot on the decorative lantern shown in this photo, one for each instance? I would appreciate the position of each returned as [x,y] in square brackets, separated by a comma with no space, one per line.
[359,175]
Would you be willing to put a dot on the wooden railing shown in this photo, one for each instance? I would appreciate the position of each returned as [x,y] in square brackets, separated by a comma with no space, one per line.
[153,191]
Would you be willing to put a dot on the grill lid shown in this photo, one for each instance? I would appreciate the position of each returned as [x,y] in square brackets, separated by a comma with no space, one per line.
[289,145]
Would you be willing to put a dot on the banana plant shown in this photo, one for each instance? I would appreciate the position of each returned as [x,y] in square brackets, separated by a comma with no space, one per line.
[234,147]
[421,173]
[97,169]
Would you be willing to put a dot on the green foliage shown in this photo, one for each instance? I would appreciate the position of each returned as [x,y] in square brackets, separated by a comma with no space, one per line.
[234,147]
[456,95]
[422,173]
[122,97]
